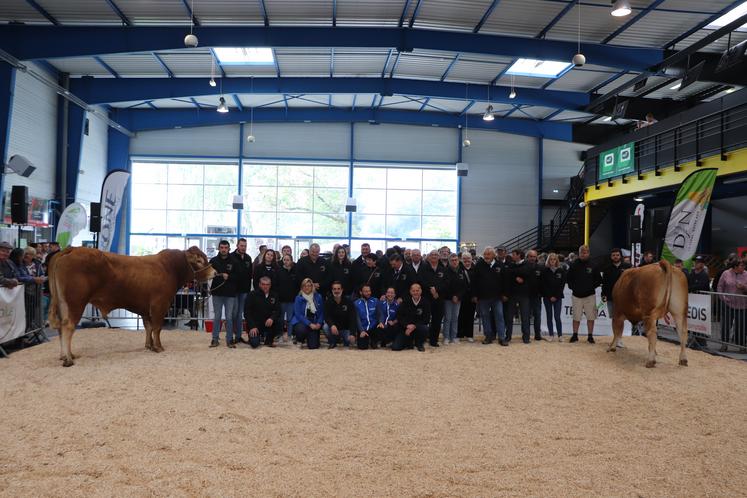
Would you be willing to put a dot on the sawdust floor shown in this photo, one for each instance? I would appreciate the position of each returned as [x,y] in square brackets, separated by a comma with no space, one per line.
[468,420]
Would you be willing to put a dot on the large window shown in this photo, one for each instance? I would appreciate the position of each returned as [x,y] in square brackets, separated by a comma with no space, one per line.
[178,204]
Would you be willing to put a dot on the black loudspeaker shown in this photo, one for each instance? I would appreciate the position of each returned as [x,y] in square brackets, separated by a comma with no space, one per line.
[19,204]
[95,224]
[635,234]
[660,222]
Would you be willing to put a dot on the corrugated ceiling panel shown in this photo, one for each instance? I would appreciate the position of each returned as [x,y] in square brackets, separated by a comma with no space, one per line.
[309,101]
[307,12]
[379,13]
[521,17]
[298,63]
[651,82]
[533,111]
[135,65]
[616,82]
[416,66]
[571,116]
[80,66]
[253,100]
[172,104]
[448,105]
[666,92]
[345,101]
[596,24]
[350,63]
[456,15]
[522,81]
[20,11]
[697,5]
[399,103]
[717,46]
[143,12]
[80,11]
[262,71]
[189,63]
[468,70]
[579,80]
[657,29]
[230,12]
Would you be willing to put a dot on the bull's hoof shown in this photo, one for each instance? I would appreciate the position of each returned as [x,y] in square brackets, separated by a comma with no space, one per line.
[67,362]
[611,350]
[157,349]
[650,364]
[149,347]
[62,357]
[683,363]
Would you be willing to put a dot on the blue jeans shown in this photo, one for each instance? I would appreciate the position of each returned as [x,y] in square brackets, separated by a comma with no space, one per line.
[305,333]
[553,310]
[286,313]
[491,312]
[334,339]
[238,315]
[451,320]
[219,304]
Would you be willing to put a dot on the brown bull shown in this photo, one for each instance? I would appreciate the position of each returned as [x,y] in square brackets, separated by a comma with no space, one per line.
[645,295]
[145,285]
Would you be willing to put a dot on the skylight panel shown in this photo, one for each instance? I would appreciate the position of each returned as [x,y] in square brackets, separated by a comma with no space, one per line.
[730,16]
[539,69]
[243,55]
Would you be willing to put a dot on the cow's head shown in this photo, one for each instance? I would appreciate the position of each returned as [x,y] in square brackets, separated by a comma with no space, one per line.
[199,264]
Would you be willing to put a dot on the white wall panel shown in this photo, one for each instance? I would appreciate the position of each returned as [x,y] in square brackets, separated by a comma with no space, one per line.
[299,140]
[92,161]
[388,142]
[33,134]
[200,141]
[561,162]
[499,197]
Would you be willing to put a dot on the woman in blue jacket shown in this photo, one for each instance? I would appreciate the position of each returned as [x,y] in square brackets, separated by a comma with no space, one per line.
[368,319]
[388,323]
[308,314]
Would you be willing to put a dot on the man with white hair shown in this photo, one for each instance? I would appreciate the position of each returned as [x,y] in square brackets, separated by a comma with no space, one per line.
[433,281]
[583,279]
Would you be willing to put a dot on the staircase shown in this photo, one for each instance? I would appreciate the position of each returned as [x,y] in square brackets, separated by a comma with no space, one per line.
[565,232]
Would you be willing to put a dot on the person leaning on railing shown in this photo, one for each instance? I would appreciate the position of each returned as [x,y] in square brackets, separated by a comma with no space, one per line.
[733,286]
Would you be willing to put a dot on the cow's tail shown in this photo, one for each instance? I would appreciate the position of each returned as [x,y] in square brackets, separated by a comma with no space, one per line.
[667,268]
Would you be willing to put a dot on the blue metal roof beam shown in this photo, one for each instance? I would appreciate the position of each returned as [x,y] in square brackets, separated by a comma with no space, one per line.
[394,66]
[632,21]
[334,13]
[451,65]
[151,105]
[197,104]
[106,66]
[275,60]
[195,21]
[485,16]
[43,12]
[217,63]
[237,101]
[355,97]
[119,12]
[45,42]
[425,103]
[555,20]
[96,91]
[163,64]
[263,10]
[415,13]
[404,13]
[552,115]
[147,119]
[386,62]
[467,108]
[331,62]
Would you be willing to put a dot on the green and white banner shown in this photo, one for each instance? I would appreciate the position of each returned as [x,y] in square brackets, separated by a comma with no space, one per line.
[617,161]
[688,215]
[73,220]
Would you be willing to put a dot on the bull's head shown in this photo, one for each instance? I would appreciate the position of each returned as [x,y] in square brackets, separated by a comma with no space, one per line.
[199,264]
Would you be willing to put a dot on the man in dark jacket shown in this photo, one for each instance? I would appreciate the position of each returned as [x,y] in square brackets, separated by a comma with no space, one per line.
[223,290]
[370,274]
[398,275]
[359,266]
[524,284]
[413,318]
[488,287]
[610,273]
[697,279]
[583,279]
[339,315]
[262,314]
[314,267]
[243,267]
[433,282]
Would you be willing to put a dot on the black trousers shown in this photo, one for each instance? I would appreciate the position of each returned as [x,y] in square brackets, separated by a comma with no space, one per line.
[508,316]
[522,303]
[304,333]
[417,338]
[372,340]
[466,325]
[266,334]
[437,318]
[388,334]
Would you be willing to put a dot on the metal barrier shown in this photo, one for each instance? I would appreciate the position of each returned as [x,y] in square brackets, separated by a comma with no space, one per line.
[189,309]
[35,307]
[728,321]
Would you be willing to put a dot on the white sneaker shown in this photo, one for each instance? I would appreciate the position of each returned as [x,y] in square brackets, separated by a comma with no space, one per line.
[455,341]
[470,339]
[549,338]
[560,338]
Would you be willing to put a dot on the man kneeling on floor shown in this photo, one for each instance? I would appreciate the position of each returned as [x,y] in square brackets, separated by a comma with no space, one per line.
[366,308]
[262,314]
[413,317]
[339,315]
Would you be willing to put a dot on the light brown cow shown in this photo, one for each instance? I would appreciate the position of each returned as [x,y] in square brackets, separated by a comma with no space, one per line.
[645,295]
[145,285]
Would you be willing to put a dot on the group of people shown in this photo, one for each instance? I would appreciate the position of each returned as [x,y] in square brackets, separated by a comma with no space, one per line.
[402,299]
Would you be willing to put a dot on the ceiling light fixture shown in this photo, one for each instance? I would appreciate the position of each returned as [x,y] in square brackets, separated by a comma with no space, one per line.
[677,86]
[620,8]
[191,41]
[488,116]
[638,199]
[466,142]
[579,59]
[512,93]
[251,138]
[212,71]
[222,107]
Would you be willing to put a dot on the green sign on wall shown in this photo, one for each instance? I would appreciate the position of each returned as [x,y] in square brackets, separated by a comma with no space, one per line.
[617,161]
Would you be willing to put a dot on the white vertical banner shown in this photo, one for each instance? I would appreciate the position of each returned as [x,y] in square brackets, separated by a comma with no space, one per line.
[12,313]
[112,193]
[698,314]
[635,260]
[602,324]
